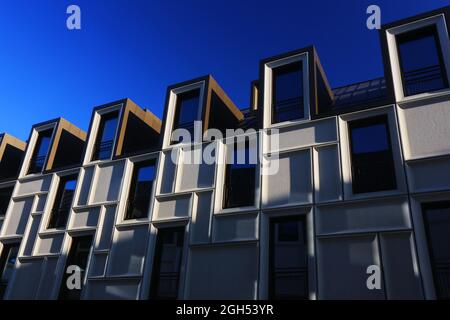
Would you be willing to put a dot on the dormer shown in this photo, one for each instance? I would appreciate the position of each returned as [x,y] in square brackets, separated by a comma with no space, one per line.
[292,87]
[53,145]
[201,99]
[416,53]
[121,129]
[12,151]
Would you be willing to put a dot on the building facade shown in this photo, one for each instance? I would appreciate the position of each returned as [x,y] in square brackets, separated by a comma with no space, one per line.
[349,183]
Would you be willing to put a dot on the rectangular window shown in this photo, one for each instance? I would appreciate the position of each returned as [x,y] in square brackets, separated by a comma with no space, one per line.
[437,227]
[421,62]
[79,252]
[63,202]
[7,262]
[287,92]
[105,136]
[371,155]
[167,263]
[288,265]
[186,111]
[140,190]
[40,151]
[5,197]
[240,176]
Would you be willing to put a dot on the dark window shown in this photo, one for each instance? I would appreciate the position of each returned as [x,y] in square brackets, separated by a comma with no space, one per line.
[287,93]
[7,262]
[288,259]
[371,155]
[421,62]
[240,175]
[105,137]
[63,202]
[5,196]
[186,111]
[78,256]
[40,151]
[166,268]
[140,190]
[437,225]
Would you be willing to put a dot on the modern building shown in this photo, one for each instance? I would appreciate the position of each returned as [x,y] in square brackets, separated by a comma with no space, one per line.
[360,191]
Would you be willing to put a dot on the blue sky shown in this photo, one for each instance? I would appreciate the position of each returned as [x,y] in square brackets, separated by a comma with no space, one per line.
[136,48]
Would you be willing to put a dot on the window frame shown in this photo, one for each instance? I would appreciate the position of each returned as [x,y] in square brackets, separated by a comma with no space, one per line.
[58,198]
[425,206]
[171,110]
[276,71]
[133,184]
[100,129]
[268,89]
[345,152]
[271,270]
[362,123]
[67,254]
[156,262]
[36,134]
[438,45]
[5,251]
[393,54]
[223,148]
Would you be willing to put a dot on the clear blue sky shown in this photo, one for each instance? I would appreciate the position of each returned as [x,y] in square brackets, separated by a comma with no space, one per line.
[136,48]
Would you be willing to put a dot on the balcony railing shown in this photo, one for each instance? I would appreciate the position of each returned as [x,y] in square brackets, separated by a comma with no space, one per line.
[424,80]
[103,150]
[37,164]
[442,276]
[289,109]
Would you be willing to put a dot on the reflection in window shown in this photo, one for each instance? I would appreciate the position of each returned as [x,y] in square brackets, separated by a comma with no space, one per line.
[7,262]
[140,190]
[5,196]
[167,265]
[421,61]
[40,151]
[287,93]
[78,256]
[63,202]
[186,111]
[240,176]
[371,155]
[288,258]
[437,224]
[105,136]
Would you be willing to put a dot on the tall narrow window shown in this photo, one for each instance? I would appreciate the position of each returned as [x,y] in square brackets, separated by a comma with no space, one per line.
[421,62]
[167,263]
[105,136]
[186,111]
[40,151]
[240,176]
[288,265]
[5,196]
[437,226]
[371,155]
[287,93]
[78,256]
[63,202]
[7,262]
[140,190]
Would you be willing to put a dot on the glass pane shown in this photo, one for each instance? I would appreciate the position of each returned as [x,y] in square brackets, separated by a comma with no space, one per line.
[63,202]
[140,190]
[169,252]
[187,108]
[10,262]
[40,151]
[289,278]
[437,217]
[106,136]
[421,62]
[288,92]
[5,196]
[370,139]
